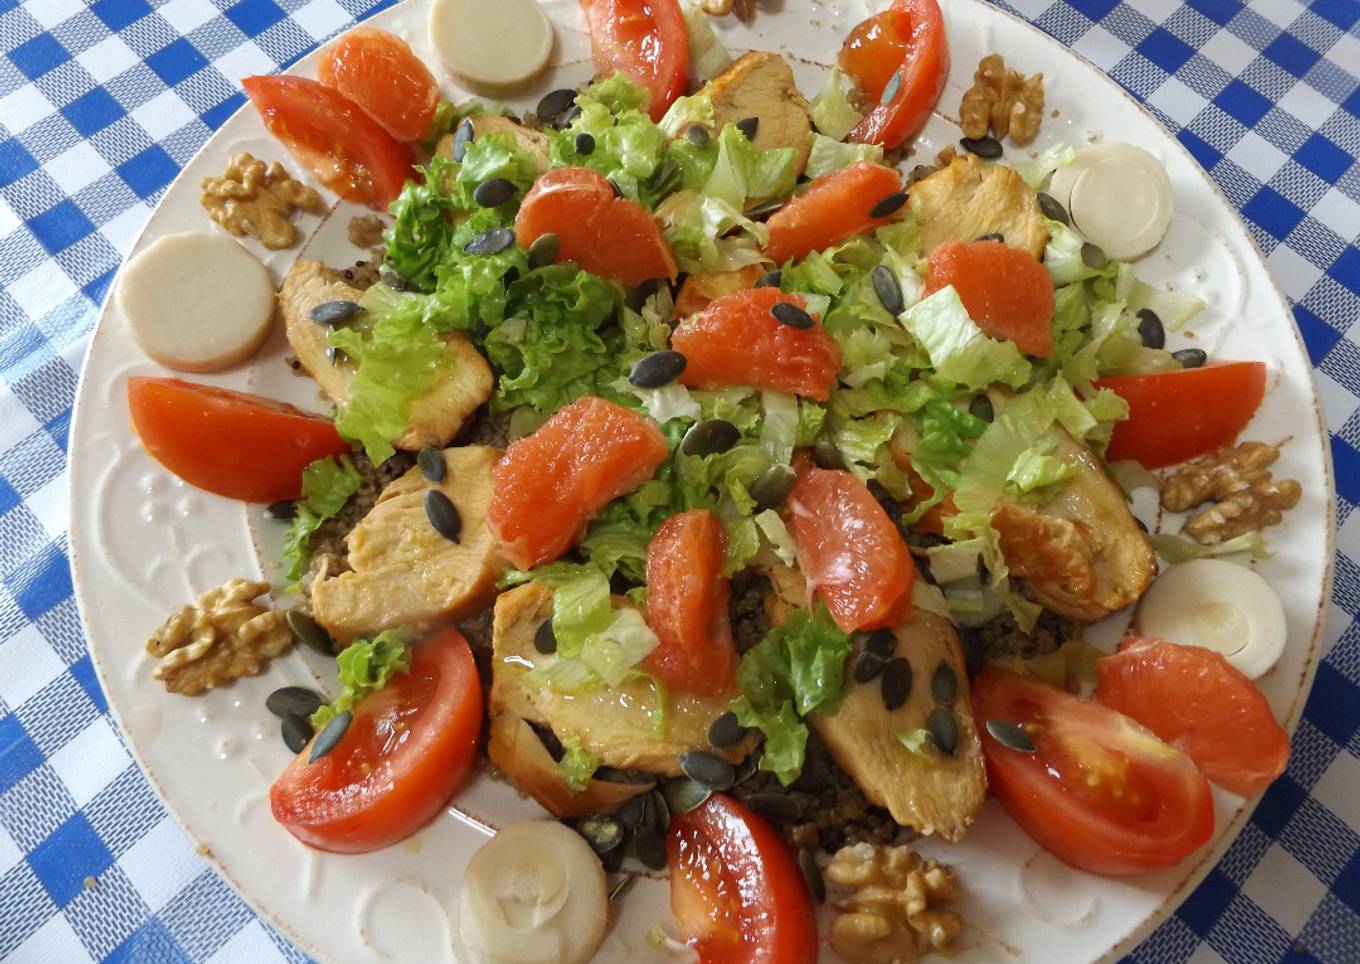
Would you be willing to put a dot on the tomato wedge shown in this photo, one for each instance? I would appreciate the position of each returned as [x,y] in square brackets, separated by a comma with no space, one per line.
[381,73]
[1197,701]
[834,207]
[1100,791]
[332,137]
[407,750]
[1179,415]
[907,42]
[607,235]
[646,40]
[687,598]
[231,443]
[737,340]
[551,483]
[736,893]
[851,554]
[1006,290]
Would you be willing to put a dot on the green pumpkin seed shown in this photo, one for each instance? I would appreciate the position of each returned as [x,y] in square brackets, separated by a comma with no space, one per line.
[309,631]
[891,88]
[944,685]
[749,126]
[812,874]
[490,241]
[634,813]
[331,734]
[888,290]
[650,848]
[972,652]
[613,860]
[1190,357]
[661,811]
[657,369]
[494,192]
[554,104]
[771,279]
[602,832]
[1052,208]
[333,312]
[825,455]
[868,667]
[431,462]
[618,191]
[443,515]
[683,795]
[462,137]
[726,731]
[747,768]
[619,889]
[1011,735]
[764,209]
[896,686]
[664,175]
[545,640]
[992,236]
[705,768]
[710,437]
[296,731]
[584,143]
[943,730]
[882,643]
[334,356]
[1151,329]
[779,807]
[888,205]
[986,147]
[787,313]
[772,487]
[293,699]
[544,250]
[1093,257]
[281,511]
[980,406]
[697,134]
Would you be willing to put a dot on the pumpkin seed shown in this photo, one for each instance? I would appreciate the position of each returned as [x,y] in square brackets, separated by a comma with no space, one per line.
[749,126]
[988,147]
[882,643]
[747,768]
[980,406]
[772,487]
[943,730]
[462,137]
[544,250]
[490,241]
[554,104]
[618,191]
[545,640]
[661,811]
[787,313]
[298,700]
[657,369]
[1190,357]
[888,205]
[333,312]
[431,462]
[296,731]
[826,456]
[868,667]
[494,192]
[1092,256]
[944,685]
[636,298]
[726,731]
[633,813]
[282,511]
[309,631]
[891,88]
[650,848]
[665,173]
[1052,208]
[1011,735]
[764,209]
[710,437]
[698,135]
[896,686]
[335,356]
[443,515]
[779,807]
[584,143]
[1151,329]
[568,116]
[510,277]
[712,771]
[888,289]
[771,279]
[622,886]
[602,832]
[613,860]
[992,236]
[971,644]
[331,734]
[812,874]
[683,795]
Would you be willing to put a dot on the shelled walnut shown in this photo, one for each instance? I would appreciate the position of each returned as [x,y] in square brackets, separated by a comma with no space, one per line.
[221,636]
[891,913]
[1005,100]
[250,198]
[1237,480]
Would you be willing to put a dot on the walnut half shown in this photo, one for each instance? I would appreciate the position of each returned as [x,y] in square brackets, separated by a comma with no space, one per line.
[249,198]
[221,636]
[1005,100]
[891,914]
[1237,480]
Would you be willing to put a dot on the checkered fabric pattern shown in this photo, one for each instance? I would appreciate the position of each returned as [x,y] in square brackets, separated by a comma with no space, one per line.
[100,104]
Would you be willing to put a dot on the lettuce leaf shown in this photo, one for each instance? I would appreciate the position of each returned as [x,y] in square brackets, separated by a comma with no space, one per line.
[577,765]
[327,485]
[365,666]
[581,609]
[958,348]
[1177,549]
[831,110]
[707,56]
[829,154]
[628,146]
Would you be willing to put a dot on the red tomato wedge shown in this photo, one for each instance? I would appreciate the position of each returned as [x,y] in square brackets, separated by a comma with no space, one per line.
[644,39]
[687,598]
[408,749]
[1197,701]
[737,341]
[907,42]
[1179,415]
[851,554]
[834,207]
[551,483]
[736,894]
[231,443]
[379,72]
[332,137]
[1006,291]
[606,235]
[1100,791]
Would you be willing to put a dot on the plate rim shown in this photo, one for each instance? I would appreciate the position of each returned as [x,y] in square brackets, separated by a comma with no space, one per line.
[1205,862]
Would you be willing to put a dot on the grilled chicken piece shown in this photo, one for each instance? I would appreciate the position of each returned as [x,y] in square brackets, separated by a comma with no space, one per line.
[533,142]
[968,199]
[761,84]
[405,573]
[1081,553]
[437,415]
[699,289]
[615,725]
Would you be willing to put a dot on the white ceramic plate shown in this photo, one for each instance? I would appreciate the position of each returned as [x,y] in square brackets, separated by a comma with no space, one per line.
[143,543]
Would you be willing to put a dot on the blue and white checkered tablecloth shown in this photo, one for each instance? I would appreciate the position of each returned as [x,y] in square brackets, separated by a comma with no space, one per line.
[100,104]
